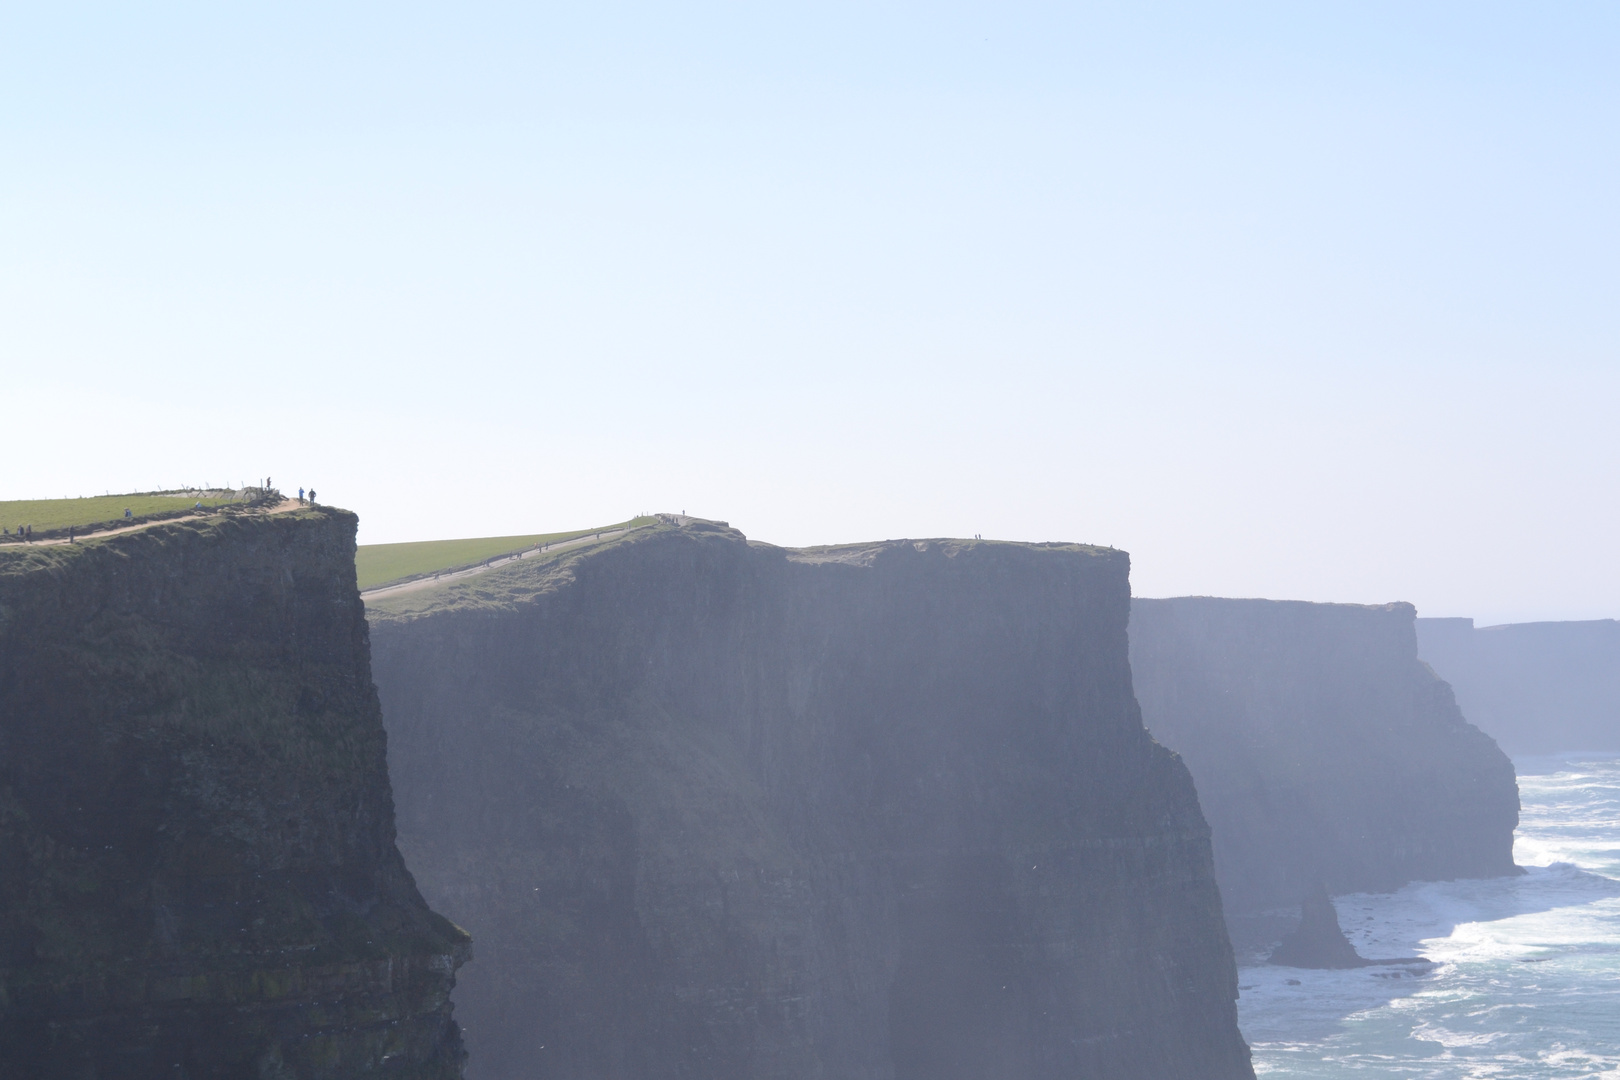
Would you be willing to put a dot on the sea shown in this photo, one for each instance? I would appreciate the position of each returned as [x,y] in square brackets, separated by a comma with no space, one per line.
[1526,981]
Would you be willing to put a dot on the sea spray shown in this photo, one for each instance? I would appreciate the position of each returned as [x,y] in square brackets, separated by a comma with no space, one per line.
[1528,976]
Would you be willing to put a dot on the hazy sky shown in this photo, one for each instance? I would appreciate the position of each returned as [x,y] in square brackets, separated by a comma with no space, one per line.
[1295,300]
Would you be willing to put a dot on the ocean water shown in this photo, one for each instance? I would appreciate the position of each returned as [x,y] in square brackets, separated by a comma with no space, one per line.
[1527,979]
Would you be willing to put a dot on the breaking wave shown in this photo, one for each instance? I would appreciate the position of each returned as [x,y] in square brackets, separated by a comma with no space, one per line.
[1527,982]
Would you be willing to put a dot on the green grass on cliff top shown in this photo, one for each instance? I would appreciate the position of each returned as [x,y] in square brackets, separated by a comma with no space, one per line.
[48,514]
[383,564]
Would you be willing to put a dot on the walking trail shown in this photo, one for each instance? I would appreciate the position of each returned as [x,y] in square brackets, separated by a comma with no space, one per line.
[370,594]
[472,571]
[280,508]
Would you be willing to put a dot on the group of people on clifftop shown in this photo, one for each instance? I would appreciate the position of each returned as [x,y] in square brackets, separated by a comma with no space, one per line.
[267,487]
[26,532]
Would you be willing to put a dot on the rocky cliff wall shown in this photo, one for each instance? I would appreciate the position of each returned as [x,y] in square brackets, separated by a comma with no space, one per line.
[198,875]
[1537,688]
[1324,751]
[722,810]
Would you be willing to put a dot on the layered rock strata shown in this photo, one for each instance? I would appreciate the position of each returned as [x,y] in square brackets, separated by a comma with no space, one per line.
[198,875]
[717,809]
[1324,750]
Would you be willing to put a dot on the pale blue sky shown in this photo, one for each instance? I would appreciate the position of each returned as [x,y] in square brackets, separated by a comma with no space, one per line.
[1311,301]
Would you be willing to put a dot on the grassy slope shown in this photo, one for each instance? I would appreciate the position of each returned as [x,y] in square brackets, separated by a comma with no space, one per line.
[379,564]
[507,585]
[45,514]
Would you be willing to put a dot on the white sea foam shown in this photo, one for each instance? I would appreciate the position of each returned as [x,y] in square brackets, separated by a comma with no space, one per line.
[1527,976]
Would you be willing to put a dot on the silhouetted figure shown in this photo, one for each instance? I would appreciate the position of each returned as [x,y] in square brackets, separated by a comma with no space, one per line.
[312,496]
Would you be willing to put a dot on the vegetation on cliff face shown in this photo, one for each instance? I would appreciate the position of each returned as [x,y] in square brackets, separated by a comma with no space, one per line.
[722,810]
[198,873]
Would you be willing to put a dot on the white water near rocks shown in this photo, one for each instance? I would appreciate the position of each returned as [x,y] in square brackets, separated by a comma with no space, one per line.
[1527,979]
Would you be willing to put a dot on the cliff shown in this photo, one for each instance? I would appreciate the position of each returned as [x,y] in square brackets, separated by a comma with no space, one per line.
[1538,688]
[198,875]
[722,810]
[1324,751]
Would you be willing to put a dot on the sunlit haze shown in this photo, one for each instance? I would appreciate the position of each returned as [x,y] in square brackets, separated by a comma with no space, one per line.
[1296,301]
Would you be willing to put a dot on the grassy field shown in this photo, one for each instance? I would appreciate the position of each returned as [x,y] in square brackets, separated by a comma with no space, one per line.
[382,564]
[48,514]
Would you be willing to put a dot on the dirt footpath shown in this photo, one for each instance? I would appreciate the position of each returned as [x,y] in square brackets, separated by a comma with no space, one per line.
[440,579]
[280,508]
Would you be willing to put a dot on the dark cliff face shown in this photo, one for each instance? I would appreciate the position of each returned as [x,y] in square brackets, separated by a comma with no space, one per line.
[1537,688]
[1323,749]
[722,810]
[198,875]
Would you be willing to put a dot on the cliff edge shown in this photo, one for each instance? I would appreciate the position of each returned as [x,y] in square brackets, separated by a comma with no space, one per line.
[1537,688]
[879,812]
[198,874]
[1324,750]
